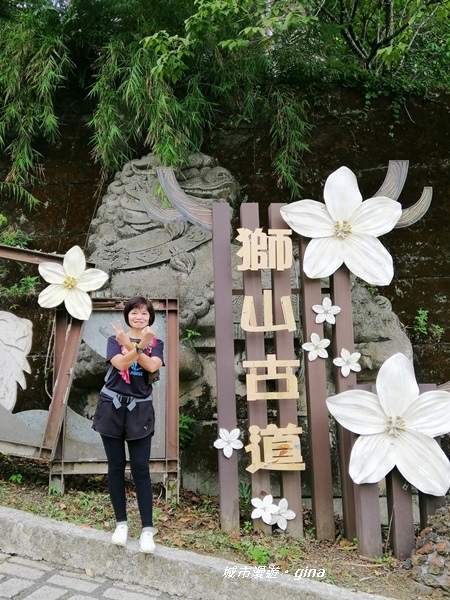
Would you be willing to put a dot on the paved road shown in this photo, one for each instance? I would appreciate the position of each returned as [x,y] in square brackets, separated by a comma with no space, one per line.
[24,579]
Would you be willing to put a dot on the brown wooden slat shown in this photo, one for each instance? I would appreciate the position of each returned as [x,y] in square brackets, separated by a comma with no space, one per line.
[317,412]
[62,385]
[367,513]
[357,518]
[226,396]
[255,350]
[400,514]
[31,256]
[287,409]
[172,381]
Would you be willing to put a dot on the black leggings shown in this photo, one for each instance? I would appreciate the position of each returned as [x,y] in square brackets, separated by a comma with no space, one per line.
[139,451]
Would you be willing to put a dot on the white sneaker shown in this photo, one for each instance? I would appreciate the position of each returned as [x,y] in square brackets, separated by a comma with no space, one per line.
[146,543]
[120,535]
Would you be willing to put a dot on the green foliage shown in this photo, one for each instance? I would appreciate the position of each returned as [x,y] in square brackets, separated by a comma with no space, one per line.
[255,553]
[25,288]
[245,498]
[16,478]
[373,289]
[191,336]
[185,430]
[18,193]
[159,74]
[421,322]
[422,329]
[11,235]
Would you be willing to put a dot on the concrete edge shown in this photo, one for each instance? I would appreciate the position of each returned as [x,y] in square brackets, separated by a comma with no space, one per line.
[170,570]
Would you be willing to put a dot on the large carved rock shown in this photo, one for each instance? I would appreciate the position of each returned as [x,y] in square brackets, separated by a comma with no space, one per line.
[377,330]
[153,258]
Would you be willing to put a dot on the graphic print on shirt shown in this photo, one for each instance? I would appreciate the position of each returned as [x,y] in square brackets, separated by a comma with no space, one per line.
[136,370]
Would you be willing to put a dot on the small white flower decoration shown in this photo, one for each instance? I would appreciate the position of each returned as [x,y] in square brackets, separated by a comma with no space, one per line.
[396,427]
[348,362]
[345,230]
[228,441]
[283,514]
[326,311]
[69,283]
[264,509]
[316,347]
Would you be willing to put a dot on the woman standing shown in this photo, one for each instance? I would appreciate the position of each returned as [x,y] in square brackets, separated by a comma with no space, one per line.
[125,413]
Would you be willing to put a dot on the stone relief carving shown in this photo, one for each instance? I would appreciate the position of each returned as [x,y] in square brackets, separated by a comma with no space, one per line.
[16,335]
[154,257]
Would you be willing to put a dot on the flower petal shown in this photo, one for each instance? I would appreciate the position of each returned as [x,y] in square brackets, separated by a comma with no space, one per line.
[376,216]
[324,343]
[267,517]
[78,304]
[308,346]
[281,522]
[345,370]
[236,444]
[234,434]
[74,262]
[372,457]
[219,444]
[52,272]
[53,295]
[267,500]
[358,411]
[315,339]
[323,257]
[257,502]
[282,504]
[91,279]
[429,413]
[228,451]
[422,462]
[396,385]
[322,353]
[342,195]
[339,362]
[257,513]
[368,259]
[308,218]
[224,434]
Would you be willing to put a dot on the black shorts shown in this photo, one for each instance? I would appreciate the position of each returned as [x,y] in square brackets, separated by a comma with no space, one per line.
[123,423]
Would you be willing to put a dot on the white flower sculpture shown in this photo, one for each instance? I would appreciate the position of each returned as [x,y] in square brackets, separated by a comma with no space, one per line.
[283,515]
[264,509]
[228,441]
[316,347]
[345,230]
[326,311]
[69,283]
[348,362]
[396,427]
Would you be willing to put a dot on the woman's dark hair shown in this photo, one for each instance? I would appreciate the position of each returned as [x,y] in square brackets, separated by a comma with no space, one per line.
[137,302]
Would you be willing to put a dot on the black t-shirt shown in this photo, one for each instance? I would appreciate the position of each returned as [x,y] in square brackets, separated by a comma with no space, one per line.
[138,386]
